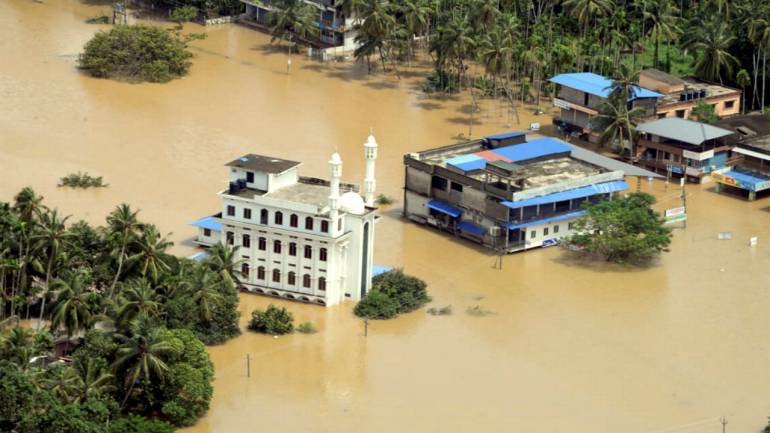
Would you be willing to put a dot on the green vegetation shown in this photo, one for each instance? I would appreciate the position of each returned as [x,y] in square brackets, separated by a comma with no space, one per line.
[132,318]
[82,180]
[384,200]
[136,54]
[273,321]
[183,14]
[100,19]
[205,8]
[443,311]
[624,230]
[392,293]
[306,328]
[704,112]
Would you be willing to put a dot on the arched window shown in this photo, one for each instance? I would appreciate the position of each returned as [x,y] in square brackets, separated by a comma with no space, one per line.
[293,220]
[245,270]
[292,278]
[262,244]
[322,254]
[261,273]
[278,218]
[276,275]
[306,281]
[230,238]
[263,215]
[277,246]
[325,226]
[322,284]
[308,252]
[339,224]
[309,223]
[292,248]
[246,241]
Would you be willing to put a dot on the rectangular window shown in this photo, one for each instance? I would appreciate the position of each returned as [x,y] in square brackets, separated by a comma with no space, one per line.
[456,187]
[247,213]
[571,226]
[325,226]
[246,241]
[532,234]
[680,114]
[230,238]
[207,232]
[230,210]
[556,229]
[545,231]
[729,104]
[250,177]
[262,244]
[438,182]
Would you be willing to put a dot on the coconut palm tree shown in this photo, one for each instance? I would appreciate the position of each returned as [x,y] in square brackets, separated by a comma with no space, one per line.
[74,305]
[122,225]
[151,258]
[416,15]
[374,30]
[495,53]
[204,287]
[294,18]
[663,19]
[759,33]
[742,79]
[617,123]
[225,260]
[62,381]
[137,299]
[712,40]
[141,356]
[52,234]
[93,379]
[587,11]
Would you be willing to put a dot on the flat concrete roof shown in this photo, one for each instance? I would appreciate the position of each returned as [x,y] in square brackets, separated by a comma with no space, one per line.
[552,171]
[713,90]
[265,164]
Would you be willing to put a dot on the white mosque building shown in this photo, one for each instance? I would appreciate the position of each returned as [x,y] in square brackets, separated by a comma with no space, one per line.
[300,238]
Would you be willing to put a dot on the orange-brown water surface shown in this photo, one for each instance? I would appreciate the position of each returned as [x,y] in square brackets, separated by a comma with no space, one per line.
[566,346]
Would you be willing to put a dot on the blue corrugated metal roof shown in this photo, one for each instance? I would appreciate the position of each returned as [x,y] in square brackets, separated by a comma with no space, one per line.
[207,223]
[471,228]
[467,162]
[533,149]
[552,219]
[505,135]
[570,194]
[597,85]
[445,208]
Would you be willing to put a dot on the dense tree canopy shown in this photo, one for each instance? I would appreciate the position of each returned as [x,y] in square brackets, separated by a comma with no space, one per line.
[393,293]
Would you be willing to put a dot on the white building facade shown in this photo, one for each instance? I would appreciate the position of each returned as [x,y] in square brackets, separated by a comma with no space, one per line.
[300,238]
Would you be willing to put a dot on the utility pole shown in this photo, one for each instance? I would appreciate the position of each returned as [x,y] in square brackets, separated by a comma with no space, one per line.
[684,195]
[723,420]
[366,326]
[473,109]
[248,365]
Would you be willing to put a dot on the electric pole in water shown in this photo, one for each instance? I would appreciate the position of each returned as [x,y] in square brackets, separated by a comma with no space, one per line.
[684,195]
[366,326]
[248,365]
[723,420]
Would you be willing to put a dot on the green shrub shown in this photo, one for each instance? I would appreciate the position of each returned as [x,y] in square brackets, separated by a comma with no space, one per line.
[81,180]
[139,424]
[136,53]
[273,321]
[307,328]
[377,305]
[384,200]
[443,311]
[100,19]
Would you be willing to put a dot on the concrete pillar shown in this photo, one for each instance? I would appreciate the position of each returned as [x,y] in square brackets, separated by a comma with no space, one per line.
[752,195]
[718,187]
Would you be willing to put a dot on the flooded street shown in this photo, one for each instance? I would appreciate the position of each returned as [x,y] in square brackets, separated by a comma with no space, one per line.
[566,346]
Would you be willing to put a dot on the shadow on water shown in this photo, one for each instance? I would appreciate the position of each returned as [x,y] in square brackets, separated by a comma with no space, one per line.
[428,105]
[381,85]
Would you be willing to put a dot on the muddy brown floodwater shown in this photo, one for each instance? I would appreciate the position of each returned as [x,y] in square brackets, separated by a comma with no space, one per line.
[567,347]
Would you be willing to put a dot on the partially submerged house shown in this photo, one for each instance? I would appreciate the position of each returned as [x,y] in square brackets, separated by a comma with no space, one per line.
[579,97]
[751,140]
[684,148]
[336,33]
[507,192]
[681,95]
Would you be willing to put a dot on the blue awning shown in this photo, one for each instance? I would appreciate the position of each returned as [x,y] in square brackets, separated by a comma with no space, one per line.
[207,223]
[570,194]
[552,219]
[445,208]
[471,228]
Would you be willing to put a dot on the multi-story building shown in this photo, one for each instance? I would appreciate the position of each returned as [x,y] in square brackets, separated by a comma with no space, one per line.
[579,96]
[681,95]
[301,238]
[751,139]
[335,29]
[509,193]
[681,147]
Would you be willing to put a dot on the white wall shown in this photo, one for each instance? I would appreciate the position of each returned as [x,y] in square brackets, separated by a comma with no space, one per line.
[278,181]
[260,178]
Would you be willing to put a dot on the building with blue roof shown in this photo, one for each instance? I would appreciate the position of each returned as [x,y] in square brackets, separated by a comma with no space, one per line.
[580,95]
[508,192]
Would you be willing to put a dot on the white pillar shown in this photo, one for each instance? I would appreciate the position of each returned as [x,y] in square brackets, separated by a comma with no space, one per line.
[335,169]
[370,153]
